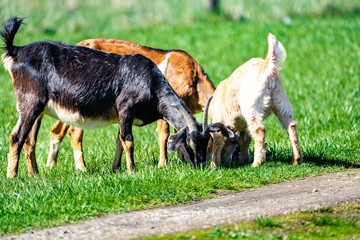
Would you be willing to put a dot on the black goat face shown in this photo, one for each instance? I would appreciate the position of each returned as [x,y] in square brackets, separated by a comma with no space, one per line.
[195,138]
[194,145]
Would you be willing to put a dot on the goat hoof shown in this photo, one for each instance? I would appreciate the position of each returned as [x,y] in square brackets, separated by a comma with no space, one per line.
[297,162]
[161,165]
[11,175]
[50,165]
[256,164]
[213,165]
[81,168]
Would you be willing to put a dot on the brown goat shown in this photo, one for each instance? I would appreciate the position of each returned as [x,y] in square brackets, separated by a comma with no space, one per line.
[184,74]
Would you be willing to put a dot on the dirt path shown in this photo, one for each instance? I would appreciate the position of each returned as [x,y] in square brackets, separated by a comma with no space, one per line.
[275,199]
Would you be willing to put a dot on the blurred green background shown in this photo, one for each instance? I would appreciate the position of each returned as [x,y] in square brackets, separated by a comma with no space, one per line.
[101,17]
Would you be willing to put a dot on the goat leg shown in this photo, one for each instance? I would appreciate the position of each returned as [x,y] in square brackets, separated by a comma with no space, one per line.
[295,145]
[257,131]
[163,132]
[218,147]
[17,140]
[57,134]
[283,111]
[76,137]
[29,147]
[117,158]
[127,142]
[244,141]
[290,126]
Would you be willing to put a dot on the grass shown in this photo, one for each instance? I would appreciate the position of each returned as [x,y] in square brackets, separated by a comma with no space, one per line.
[337,222]
[320,76]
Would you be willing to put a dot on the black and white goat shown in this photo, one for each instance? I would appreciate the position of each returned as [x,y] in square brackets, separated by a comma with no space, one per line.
[90,88]
[183,72]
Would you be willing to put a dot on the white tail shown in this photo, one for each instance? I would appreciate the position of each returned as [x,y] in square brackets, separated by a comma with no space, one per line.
[276,55]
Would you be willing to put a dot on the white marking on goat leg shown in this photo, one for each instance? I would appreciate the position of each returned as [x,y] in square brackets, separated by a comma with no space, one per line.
[53,151]
[163,65]
[78,160]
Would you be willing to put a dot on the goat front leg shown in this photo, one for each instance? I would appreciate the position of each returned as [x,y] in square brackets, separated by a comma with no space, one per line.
[257,130]
[217,148]
[76,138]
[117,158]
[163,132]
[290,126]
[17,140]
[30,146]
[127,142]
[244,141]
[57,134]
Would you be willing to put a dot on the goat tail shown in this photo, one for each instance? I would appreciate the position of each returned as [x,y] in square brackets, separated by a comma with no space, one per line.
[275,56]
[8,34]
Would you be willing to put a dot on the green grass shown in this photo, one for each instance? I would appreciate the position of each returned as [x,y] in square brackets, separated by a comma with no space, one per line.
[320,76]
[339,222]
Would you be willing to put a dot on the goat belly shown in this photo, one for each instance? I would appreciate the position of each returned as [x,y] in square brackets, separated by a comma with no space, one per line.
[75,118]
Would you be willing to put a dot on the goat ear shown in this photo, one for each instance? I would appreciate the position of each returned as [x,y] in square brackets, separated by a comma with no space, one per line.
[219,127]
[176,139]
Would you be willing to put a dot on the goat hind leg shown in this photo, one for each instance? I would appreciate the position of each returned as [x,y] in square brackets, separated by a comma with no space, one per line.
[30,146]
[290,126]
[17,140]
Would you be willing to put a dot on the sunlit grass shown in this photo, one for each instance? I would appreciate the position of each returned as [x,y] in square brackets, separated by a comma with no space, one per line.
[320,76]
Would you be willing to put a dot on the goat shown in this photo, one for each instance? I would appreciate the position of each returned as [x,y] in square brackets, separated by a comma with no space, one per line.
[89,88]
[242,101]
[184,74]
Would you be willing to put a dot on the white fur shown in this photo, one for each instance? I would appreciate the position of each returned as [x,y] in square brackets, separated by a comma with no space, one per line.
[251,93]
[54,148]
[163,65]
[8,61]
[77,157]
[74,118]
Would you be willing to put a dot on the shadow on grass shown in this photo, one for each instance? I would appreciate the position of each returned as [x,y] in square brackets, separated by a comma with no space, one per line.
[317,159]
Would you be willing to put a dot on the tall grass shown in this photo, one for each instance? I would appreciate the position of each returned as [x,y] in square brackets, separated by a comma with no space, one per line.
[320,76]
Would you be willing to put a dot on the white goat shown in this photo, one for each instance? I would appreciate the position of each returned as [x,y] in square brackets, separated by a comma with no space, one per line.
[245,99]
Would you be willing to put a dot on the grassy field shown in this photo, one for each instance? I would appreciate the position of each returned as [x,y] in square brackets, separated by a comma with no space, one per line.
[320,76]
